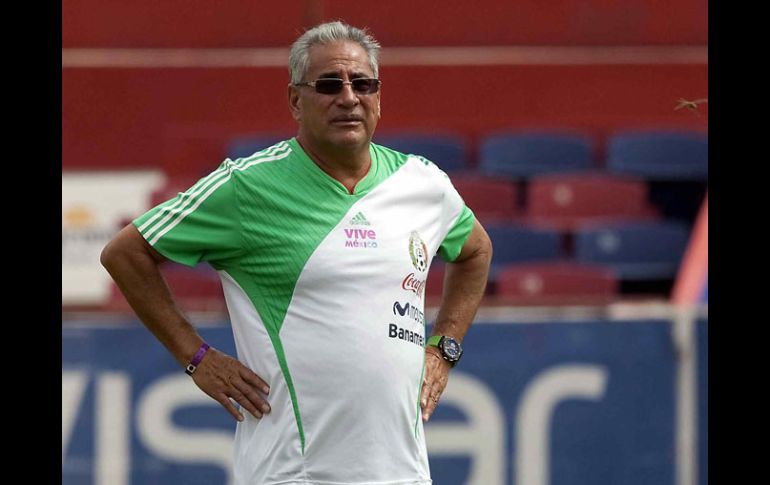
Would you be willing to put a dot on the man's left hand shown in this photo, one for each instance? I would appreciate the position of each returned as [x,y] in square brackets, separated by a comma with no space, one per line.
[434,381]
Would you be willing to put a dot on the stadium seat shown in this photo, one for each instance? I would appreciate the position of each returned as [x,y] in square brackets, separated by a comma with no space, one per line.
[522,155]
[514,244]
[446,151]
[659,155]
[635,251]
[247,145]
[491,200]
[565,201]
[555,283]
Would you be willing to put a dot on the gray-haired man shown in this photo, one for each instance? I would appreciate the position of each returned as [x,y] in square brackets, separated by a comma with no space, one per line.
[314,239]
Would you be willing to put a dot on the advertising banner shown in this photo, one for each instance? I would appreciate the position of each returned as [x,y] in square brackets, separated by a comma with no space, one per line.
[567,403]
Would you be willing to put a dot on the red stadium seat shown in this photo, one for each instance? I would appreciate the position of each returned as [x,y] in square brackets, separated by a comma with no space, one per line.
[565,201]
[491,200]
[556,283]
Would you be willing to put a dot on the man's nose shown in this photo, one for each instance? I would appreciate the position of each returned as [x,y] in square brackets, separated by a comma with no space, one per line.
[347,97]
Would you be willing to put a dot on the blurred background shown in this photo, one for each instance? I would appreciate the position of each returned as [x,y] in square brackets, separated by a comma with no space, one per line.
[576,130]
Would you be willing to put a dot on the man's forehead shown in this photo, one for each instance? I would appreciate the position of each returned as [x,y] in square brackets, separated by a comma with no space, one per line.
[339,57]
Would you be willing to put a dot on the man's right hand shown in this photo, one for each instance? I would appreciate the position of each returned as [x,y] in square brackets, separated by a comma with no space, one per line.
[223,377]
[134,265]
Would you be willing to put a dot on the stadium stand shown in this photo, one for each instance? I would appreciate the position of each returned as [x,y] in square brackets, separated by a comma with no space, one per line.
[518,243]
[564,201]
[491,200]
[674,163]
[659,155]
[519,155]
[555,283]
[634,250]
[446,151]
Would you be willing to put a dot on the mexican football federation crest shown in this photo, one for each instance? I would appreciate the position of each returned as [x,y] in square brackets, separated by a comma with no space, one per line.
[418,252]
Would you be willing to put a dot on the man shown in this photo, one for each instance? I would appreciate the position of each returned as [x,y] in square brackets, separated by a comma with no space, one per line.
[323,243]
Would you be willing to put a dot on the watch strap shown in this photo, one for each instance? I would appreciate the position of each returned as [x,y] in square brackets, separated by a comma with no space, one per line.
[434,340]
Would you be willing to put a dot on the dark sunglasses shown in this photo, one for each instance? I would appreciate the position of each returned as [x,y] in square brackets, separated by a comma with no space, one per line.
[361,85]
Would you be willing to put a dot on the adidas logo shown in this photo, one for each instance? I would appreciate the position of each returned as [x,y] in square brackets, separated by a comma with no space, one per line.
[359,220]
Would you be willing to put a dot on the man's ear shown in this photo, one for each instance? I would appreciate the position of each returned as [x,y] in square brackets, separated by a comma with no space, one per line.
[294,102]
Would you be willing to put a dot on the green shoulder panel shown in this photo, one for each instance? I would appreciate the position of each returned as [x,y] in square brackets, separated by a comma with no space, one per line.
[457,236]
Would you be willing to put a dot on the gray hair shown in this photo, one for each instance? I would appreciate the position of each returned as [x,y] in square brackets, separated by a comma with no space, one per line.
[326,34]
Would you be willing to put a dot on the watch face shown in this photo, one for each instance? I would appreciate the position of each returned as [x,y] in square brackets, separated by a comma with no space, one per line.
[451,349]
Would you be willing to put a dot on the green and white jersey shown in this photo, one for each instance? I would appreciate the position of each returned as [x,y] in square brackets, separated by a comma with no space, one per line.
[325,294]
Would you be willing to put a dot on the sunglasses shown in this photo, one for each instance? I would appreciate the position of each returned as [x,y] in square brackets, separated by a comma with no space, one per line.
[361,85]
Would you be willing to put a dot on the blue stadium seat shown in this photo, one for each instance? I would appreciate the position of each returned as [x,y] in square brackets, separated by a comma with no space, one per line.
[522,155]
[635,251]
[659,155]
[516,243]
[446,151]
[247,145]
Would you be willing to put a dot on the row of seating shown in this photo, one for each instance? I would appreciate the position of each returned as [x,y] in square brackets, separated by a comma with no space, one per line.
[632,250]
[541,283]
[651,154]
[541,266]
[560,201]
[528,263]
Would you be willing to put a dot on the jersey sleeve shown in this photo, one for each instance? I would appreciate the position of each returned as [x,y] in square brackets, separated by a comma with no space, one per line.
[457,221]
[200,224]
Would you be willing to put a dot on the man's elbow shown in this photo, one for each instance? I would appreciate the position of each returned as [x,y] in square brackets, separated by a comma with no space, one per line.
[478,248]
[110,253]
[484,252]
[118,249]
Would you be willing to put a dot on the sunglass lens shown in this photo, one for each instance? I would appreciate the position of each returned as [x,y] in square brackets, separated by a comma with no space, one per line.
[328,86]
[365,85]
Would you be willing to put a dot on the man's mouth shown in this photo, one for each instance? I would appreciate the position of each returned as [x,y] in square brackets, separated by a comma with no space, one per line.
[347,119]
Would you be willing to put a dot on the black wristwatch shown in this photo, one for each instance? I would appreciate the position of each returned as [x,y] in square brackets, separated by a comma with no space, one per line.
[450,348]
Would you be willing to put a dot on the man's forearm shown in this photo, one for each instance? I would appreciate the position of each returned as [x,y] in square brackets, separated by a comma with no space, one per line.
[464,285]
[137,274]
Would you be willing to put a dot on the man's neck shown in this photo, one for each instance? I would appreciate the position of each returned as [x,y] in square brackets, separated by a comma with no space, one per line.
[348,167]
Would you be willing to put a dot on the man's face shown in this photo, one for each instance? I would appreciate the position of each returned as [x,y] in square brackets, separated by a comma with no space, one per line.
[332,121]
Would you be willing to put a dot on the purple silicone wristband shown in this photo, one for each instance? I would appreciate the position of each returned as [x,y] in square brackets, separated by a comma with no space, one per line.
[199,354]
[197,358]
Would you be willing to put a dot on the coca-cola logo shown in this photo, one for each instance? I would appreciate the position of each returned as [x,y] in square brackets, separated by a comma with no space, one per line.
[412,283]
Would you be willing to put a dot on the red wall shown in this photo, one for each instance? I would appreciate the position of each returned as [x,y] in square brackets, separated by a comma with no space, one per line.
[182,117]
[247,23]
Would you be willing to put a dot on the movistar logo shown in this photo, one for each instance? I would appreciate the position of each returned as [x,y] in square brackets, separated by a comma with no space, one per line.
[359,220]
[410,311]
